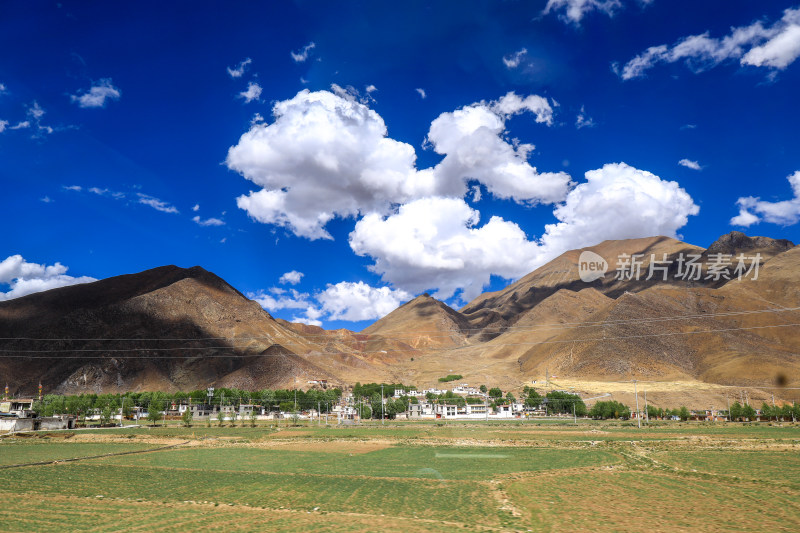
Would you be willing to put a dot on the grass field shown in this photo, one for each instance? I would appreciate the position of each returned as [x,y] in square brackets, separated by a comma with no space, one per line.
[407,476]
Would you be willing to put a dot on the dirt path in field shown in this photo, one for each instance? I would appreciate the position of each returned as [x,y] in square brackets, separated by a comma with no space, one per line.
[73,459]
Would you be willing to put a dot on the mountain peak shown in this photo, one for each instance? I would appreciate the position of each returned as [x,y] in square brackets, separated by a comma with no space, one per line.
[737,242]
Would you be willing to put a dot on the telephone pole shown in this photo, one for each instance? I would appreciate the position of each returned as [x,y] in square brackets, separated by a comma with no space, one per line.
[638,418]
[383,415]
[646,414]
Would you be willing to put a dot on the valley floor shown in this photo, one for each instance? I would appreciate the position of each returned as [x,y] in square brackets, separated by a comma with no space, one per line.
[423,476]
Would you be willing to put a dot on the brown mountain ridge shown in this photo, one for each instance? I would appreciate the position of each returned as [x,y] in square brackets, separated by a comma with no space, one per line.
[173,328]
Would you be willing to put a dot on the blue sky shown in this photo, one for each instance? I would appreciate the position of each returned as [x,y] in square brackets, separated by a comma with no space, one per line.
[333,159]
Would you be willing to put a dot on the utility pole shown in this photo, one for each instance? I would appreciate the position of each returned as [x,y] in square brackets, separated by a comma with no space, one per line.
[728,400]
[573,413]
[638,418]
[646,414]
[383,415]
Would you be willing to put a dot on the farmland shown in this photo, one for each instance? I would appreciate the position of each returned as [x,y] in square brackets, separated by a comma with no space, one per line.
[506,476]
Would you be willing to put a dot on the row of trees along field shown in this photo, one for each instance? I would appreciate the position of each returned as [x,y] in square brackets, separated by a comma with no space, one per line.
[284,399]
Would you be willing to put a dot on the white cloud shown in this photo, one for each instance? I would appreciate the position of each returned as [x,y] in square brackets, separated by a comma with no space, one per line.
[421,92]
[76,188]
[205,222]
[775,46]
[156,204]
[196,207]
[349,301]
[238,70]
[25,278]
[36,111]
[98,95]
[46,199]
[617,202]
[476,193]
[694,165]
[437,243]
[785,213]
[301,55]
[371,89]
[3,124]
[358,301]
[471,139]
[253,92]
[292,278]
[24,124]
[583,120]
[3,88]
[327,155]
[513,60]
[574,10]
[744,218]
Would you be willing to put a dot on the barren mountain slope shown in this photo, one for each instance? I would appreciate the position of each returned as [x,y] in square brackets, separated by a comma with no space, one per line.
[424,322]
[164,328]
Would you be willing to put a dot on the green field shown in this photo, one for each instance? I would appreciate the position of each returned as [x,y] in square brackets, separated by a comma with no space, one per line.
[406,476]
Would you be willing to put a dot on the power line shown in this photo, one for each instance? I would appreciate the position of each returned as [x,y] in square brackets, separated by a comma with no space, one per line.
[491,329]
[556,341]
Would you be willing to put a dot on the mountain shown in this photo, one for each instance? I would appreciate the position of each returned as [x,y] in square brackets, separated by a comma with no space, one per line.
[424,322]
[166,328]
[174,328]
[725,331]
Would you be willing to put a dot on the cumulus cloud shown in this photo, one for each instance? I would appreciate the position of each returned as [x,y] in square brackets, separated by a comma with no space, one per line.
[196,208]
[358,301]
[513,60]
[785,213]
[292,278]
[205,222]
[437,242]
[238,70]
[573,11]
[253,92]
[617,201]
[301,55]
[688,163]
[3,124]
[156,204]
[349,301]
[775,46]
[328,155]
[23,278]
[421,92]
[97,95]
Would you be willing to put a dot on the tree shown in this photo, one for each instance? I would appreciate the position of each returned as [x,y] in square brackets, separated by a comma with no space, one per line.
[684,413]
[105,415]
[510,397]
[483,389]
[609,409]
[748,412]
[233,417]
[495,393]
[534,399]
[220,416]
[364,411]
[253,416]
[766,410]
[186,417]
[735,411]
[154,410]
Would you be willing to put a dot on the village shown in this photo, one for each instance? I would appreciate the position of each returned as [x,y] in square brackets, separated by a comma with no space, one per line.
[333,406]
